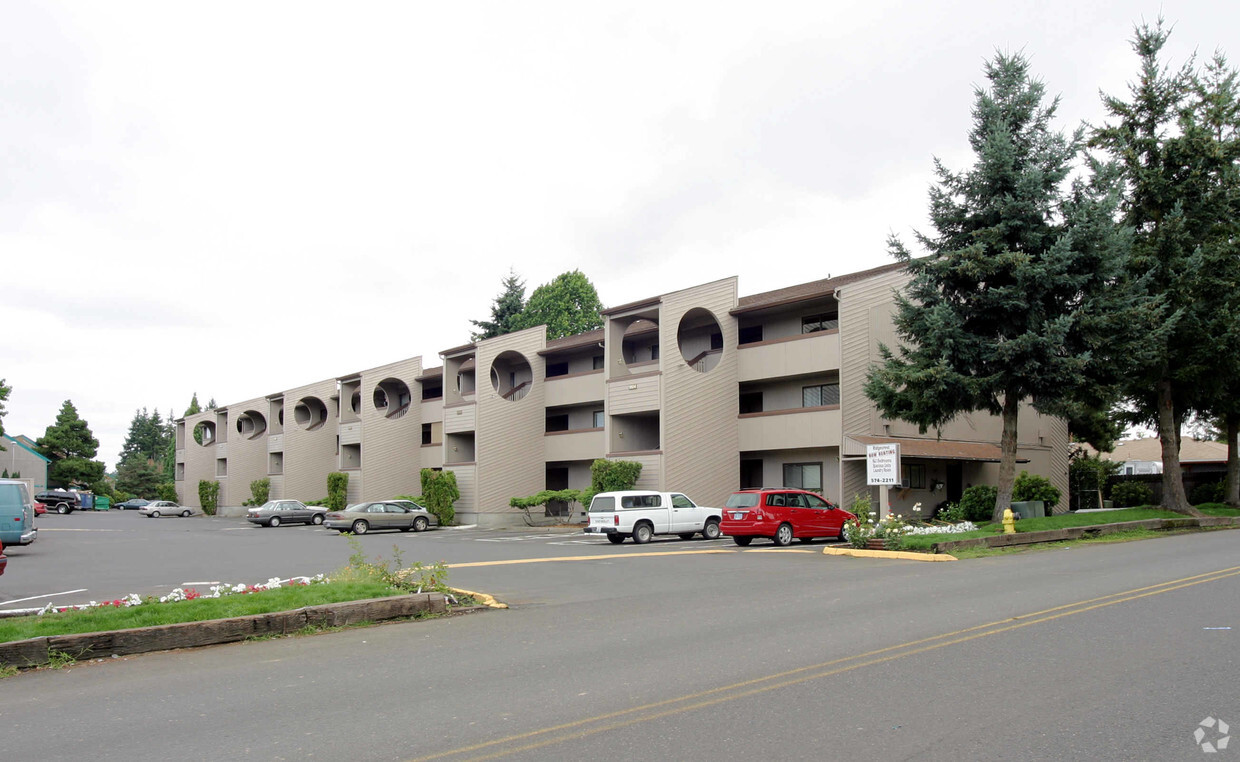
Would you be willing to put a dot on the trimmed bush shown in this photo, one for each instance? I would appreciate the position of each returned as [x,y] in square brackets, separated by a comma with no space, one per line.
[261,490]
[337,490]
[166,491]
[611,476]
[978,502]
[209,496]
[1033,487]
[440,491]
[1130,494]
[1211,492]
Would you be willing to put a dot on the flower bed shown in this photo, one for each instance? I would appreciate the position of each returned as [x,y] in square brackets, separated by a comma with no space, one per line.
[181,594]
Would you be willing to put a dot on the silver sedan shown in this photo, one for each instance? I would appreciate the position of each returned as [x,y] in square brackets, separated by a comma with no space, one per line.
[157,508]
[276,512]
[364,517]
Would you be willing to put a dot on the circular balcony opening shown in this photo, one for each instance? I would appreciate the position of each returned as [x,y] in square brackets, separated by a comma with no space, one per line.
[204,433]
[392,397]
[511,376]
[355,402]
[251,424]
[310,413]
[640,346]
[700,340]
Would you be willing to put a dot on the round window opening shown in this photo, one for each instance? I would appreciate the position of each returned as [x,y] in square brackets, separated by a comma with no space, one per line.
[251,424]
[700,340]
[204,433]
[310,413]
[392,397]
[511,376]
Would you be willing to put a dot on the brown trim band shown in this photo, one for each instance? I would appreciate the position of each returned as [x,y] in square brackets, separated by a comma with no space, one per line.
[460,404]
[434,444]
[622,379]
[578,374]
[570,431]
[462,463]
[788,411]
[635,452]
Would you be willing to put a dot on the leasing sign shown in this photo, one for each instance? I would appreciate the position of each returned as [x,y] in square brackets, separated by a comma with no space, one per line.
[882,465]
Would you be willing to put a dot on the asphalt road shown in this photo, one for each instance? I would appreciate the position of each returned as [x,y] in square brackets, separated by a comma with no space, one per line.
[669,652]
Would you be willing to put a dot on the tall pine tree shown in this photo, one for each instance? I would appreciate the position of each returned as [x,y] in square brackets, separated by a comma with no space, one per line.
[1007,307]
[505,310]
[71,447]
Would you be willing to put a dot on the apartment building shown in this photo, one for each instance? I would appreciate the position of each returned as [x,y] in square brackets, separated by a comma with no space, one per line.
[710,391]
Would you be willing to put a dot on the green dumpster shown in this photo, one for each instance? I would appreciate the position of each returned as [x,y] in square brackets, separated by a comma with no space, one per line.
[1032,509]
[102,502]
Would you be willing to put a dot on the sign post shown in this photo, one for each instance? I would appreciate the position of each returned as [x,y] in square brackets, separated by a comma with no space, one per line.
[882,469]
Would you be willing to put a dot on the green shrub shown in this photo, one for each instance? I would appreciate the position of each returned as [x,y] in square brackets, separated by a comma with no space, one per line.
[261,490]
[1211,492]
[1129,494]
[208,496]
[978,502]
[951,512]
[440,491]
[613,475]
[337,490]
[166,491]
[1033,487]
[1087,478]
[568,496]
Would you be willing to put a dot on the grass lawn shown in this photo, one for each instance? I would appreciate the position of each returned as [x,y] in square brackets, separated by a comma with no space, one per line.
[197,610]
[923,542]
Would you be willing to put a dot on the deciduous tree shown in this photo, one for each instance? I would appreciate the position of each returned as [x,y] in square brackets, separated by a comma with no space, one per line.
[567,305]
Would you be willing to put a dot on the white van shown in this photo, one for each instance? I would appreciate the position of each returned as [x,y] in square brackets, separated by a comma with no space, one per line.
[640,514]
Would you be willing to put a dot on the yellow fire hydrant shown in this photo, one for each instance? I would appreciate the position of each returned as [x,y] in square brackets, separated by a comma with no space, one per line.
[1009,521]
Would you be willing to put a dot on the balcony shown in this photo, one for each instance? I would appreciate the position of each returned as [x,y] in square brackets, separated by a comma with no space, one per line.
[575,444]
[574,388]
[350,433]
[460,418]
[634,394]
[790,429]
[275,443]
[798,355]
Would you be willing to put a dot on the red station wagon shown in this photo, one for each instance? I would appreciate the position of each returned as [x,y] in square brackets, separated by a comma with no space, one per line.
[781,514]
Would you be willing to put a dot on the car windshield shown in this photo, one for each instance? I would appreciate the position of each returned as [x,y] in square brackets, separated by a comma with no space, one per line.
[742,500]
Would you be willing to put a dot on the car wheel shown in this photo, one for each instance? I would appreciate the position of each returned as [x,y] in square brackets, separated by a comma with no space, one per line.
[642,533]
[62,509]
[742,541]
[360,527]
[711,530]
[316,519]
[783,535]
[615,539]
[274,521]
[420,524]
[685,535]
[154,514]
[184,514]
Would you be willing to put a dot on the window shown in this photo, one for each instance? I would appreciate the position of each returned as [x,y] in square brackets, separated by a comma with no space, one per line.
[716,341]
[680,501]
[803,476]
[426,433]
[557,422]
[819,395]
[917,476]
[749,334]
[751,402]
[598,362]
[557,369]
[432,391]
[654,351]
[598,419]
[816,323]
[815,502]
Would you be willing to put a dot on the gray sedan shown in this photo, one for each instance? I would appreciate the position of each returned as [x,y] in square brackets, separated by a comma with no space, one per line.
[364,517]
[154,510]
[276,512]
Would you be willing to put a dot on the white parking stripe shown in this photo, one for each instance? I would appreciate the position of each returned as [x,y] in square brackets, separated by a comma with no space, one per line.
[49,595]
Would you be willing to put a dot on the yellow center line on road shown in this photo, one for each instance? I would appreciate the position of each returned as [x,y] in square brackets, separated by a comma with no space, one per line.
[585,558]
[602,723]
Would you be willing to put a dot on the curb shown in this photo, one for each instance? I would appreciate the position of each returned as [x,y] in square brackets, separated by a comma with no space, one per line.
[35,652]
[900,554]
[486,600]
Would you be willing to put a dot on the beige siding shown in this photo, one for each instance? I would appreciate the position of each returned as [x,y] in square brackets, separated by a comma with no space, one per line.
[811,428]
[467,485]
[199,460]
[391,447]
[803,354]
[700,438]
[635,395]
[509,460]
[460,418]
[309,455]
[574,445]
[247,457]
[575,390]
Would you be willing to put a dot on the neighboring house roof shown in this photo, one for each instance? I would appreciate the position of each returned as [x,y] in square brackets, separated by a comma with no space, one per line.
[929,448]
[576,341]
[801,292]
[429,373]
[20,441]
[1150,449]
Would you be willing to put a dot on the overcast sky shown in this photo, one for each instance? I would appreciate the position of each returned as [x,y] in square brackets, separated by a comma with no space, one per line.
[235,198]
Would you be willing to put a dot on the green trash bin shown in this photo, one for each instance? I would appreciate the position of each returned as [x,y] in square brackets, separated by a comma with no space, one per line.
[1032,509]
[102,502]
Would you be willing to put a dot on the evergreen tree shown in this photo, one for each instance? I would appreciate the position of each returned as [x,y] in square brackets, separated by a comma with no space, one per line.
[1171,138]
[193,406]
[4,396]
[505,310]
[567,305]
[1011,306]
[71,447]
[139,476]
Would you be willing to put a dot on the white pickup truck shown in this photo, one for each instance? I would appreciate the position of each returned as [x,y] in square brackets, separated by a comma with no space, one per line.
[642,514]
